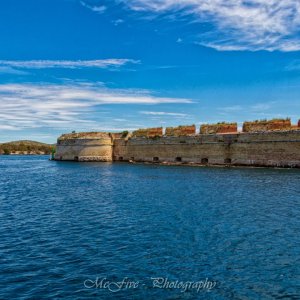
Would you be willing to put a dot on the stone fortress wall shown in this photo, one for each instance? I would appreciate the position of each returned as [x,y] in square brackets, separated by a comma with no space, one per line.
[259,145]
[87,146]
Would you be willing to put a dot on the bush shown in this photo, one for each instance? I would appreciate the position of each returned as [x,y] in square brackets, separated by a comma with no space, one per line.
[124,133]
[6,151]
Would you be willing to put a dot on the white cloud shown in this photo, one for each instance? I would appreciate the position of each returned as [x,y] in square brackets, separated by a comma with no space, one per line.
[230,109]
[118,22]
[98,9]
[293,66]
[67,64]
[65,106]
[163,113]
[238,24]
[262,106]
[10,70]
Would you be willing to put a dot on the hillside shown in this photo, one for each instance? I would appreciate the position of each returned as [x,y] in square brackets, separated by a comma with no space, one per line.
[25,147]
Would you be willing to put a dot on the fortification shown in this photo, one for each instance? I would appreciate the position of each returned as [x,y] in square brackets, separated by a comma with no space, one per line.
[86,146]
[258,145]
[181,130]
[218,128]
[267,125]
[148,132]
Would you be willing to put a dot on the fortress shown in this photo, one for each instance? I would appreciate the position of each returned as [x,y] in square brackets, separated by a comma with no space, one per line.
[274,143]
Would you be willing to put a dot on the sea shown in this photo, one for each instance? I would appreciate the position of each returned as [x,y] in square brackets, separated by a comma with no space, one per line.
[134,231]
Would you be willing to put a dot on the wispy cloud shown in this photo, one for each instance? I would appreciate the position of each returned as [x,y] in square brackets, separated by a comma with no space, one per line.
[238,25]
[230,109]
[65,105]
[67,64]
[10,70]
[163,113]
[98,9]
[293,66]
[117,22]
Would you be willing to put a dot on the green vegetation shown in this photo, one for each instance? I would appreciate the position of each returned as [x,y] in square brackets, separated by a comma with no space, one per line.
[6,151]
[124,133]
[25,147]
[269,121]
[226,123]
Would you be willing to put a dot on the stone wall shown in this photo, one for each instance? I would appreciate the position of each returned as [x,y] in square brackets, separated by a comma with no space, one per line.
[276,149]
[181,130]
[148,132]
[267,125]
[218,128]
[84,147]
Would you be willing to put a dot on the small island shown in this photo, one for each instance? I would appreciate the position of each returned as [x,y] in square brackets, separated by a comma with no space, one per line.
[25,147]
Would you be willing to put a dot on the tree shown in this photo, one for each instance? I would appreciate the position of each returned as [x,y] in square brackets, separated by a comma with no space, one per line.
[6,151]
[124,133]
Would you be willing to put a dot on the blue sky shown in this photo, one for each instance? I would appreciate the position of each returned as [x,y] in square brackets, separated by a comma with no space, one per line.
[113,65]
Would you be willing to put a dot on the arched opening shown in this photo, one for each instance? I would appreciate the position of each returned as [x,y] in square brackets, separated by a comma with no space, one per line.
[178,158]
[76,158]
[121,158]
[227,160]
[204,161]
[156,159]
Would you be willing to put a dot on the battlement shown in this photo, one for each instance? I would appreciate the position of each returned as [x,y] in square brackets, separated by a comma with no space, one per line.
[148,132]
[84,135]
[218,128]
[181,130]
[267,125]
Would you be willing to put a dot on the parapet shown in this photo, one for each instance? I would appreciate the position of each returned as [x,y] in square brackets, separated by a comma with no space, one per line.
[267,125]
[181,130]
[218,128]
[148,132]
[84,135]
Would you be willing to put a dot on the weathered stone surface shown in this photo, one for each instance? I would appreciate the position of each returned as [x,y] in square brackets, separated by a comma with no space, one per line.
[94,158]
[84,135]
[275,149]
[218,128]
[74,147]
[148,132]
[181,130]
[267,125]
[263,148]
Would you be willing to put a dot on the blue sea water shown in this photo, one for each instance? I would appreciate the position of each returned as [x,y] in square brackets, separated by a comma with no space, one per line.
[66,227]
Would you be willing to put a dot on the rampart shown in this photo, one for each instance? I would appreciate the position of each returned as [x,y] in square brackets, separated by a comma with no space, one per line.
[87,146]
[267,125]
[181,130]
[148,132]
[219,128]
[271,148]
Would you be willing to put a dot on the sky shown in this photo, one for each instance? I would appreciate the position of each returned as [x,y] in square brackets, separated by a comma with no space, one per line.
[97,65]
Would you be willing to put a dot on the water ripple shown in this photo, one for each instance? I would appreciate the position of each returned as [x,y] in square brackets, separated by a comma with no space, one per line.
[63,223]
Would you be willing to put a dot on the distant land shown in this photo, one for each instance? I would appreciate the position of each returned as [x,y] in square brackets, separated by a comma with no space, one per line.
[25,147]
